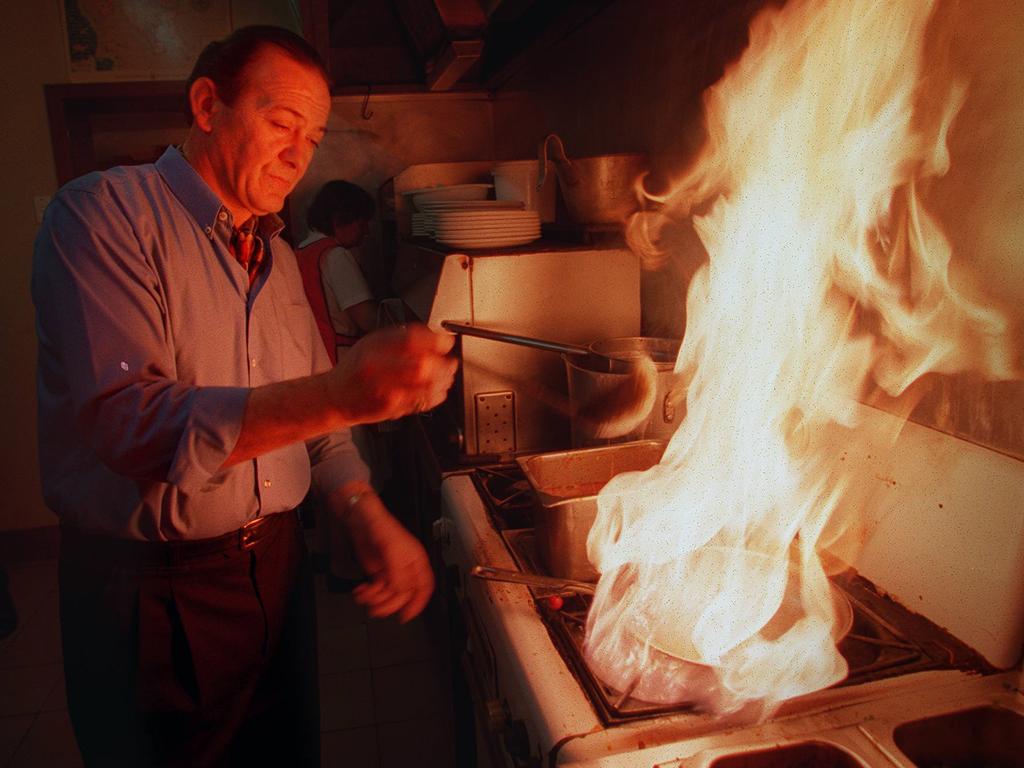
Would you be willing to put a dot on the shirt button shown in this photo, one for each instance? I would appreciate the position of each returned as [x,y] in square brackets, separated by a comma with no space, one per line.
[223,215]
[252,363]
[209,230]
[266,483]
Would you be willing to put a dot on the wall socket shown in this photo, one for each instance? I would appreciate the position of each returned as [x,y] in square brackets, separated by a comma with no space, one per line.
[40,202]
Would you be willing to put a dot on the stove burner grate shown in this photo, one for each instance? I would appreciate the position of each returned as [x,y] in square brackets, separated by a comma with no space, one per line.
[506,494]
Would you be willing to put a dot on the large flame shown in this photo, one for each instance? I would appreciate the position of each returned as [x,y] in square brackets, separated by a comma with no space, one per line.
[826,276]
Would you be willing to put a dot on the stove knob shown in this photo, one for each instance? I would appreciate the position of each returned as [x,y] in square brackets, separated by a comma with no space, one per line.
[441,531]
[517,744]
[457,438]
[494,713]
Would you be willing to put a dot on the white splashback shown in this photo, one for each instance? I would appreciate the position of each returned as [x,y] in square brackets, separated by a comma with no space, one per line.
[944,534]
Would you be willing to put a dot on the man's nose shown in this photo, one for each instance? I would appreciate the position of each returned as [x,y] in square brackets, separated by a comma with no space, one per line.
[294,153]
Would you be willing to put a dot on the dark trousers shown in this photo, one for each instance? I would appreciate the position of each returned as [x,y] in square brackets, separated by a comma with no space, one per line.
[197,653]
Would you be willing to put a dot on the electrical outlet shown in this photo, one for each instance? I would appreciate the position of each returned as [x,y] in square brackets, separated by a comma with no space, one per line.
[40,201]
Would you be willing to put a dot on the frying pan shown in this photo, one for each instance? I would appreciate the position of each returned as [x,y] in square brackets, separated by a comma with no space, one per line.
[668,659]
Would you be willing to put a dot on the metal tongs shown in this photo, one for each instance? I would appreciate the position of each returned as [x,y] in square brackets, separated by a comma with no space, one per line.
[560,586]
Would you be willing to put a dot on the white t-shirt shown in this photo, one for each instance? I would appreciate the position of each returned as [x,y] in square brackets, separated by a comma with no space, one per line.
[344,285]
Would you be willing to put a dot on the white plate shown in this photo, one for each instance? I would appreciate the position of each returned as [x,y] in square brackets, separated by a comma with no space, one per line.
[477,214]
[471,205]
[482,231]
[485,224]
[491,242]
[451,192]
[482,221]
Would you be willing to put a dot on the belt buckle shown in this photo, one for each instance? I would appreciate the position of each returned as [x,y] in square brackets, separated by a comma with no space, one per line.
[248,535]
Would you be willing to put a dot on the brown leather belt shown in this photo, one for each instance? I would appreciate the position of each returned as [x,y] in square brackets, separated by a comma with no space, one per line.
[79,545]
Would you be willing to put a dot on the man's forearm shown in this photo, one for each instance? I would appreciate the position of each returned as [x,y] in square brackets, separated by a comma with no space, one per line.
[386,375]
[282,414]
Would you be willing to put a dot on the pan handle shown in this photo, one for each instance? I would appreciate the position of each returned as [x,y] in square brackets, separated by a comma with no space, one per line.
[531,580]
[511,338]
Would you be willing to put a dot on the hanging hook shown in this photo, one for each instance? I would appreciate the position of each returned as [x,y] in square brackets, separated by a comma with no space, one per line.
[367,114]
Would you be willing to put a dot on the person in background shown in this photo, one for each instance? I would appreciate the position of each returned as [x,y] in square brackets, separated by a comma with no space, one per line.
[342,302]
[345,310]
[186,403]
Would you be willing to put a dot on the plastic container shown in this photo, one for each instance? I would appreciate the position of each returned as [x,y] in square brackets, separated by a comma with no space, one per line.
[517,180]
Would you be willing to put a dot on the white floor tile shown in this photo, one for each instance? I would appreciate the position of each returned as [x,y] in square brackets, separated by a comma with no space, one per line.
[346,700]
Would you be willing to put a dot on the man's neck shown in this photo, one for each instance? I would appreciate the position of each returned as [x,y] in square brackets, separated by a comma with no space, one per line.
[197,158]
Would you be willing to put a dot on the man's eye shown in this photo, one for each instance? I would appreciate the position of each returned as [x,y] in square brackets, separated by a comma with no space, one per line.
[281,126]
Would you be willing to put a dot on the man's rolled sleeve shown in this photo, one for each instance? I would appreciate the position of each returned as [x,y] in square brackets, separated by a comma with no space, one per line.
[335,460]
[210,433]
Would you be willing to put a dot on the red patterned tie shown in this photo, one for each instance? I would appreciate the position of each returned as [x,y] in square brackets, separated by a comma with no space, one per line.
[248,249]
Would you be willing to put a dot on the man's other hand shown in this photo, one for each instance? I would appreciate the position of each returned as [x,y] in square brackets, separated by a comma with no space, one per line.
[400,578]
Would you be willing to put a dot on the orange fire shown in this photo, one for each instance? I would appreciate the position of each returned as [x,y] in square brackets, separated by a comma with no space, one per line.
[826,276]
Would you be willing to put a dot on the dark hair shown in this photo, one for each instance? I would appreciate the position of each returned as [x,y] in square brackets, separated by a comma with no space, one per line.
[338,203]
[224,61]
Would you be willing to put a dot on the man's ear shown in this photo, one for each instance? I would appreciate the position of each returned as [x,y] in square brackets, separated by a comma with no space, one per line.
[202,97]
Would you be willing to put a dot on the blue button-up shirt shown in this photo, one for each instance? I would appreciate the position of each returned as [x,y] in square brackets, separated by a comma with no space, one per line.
[149,342]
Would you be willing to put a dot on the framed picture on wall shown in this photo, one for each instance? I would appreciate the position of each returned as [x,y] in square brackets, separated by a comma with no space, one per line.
[108,40]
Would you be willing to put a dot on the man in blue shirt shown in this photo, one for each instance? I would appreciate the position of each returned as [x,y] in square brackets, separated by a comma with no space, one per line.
[185,405]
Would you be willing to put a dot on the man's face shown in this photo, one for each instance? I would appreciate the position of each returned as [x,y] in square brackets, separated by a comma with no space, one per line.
[262,144]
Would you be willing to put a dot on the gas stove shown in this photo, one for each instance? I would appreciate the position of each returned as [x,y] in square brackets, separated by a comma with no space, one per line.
[539,703]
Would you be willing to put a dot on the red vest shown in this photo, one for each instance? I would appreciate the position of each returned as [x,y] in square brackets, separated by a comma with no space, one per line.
[309,259]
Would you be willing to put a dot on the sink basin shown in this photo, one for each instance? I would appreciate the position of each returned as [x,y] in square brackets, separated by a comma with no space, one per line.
[811,754]
[987,736]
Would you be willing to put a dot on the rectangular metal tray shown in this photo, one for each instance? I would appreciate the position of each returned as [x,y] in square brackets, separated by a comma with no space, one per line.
[565,485]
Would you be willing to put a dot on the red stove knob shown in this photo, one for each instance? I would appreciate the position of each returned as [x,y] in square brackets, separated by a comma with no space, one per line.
[555,602]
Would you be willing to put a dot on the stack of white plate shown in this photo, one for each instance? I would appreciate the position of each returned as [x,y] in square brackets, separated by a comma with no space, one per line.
[486,228]
[421,225]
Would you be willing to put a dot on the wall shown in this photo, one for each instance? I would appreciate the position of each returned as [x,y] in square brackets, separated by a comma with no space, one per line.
[30,55]
[631,81]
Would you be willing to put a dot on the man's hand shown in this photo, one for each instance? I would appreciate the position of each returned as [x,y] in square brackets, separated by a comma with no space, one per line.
[391,373]
[401,580]
[386,375]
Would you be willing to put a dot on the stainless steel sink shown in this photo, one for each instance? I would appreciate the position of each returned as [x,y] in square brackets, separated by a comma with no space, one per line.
[985,736]
[809,754]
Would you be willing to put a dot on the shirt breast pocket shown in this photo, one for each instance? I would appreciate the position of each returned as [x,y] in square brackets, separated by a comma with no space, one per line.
[297,335]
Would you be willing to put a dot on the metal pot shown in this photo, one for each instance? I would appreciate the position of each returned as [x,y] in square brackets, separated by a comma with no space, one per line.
[596,190]
[591,378]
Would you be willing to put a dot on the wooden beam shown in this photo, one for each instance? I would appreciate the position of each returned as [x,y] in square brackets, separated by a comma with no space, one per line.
[461,14]
[445,69]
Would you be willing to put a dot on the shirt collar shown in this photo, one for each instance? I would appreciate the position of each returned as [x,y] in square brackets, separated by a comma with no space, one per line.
[201,201]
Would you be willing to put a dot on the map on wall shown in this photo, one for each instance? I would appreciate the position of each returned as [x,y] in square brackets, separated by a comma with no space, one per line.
[140,39]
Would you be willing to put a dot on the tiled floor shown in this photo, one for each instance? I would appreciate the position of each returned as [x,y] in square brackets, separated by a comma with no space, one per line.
[383,698]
